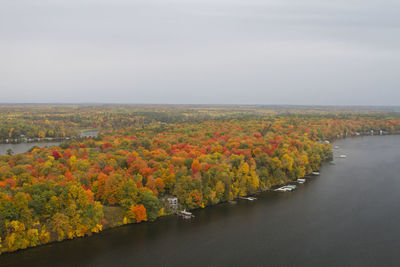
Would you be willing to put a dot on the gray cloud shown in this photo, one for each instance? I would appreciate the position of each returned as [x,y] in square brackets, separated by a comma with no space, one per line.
[193,51]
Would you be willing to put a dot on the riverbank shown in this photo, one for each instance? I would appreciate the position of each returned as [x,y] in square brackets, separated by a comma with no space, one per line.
[35,140]
[24,139]
[115,217]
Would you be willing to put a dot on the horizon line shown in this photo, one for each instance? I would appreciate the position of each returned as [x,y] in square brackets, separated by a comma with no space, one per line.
[198,104]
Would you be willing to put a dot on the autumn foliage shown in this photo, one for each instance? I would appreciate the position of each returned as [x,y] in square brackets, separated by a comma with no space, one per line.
[125,175]
[138,213]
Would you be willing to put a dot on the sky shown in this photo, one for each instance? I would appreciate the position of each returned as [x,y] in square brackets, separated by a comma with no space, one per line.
[296,52]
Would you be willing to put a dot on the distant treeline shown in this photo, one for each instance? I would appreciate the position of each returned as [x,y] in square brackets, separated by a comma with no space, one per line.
[58,121]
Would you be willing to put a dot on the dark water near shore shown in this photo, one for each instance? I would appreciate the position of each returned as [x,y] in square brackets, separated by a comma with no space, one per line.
[24,147]
[349,216]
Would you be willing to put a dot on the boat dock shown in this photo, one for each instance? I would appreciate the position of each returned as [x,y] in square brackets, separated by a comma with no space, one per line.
[248,198]
[301,180]
[286,188]
[185,214]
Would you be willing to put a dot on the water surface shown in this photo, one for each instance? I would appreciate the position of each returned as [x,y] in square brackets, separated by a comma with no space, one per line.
[24,147]
[349,216]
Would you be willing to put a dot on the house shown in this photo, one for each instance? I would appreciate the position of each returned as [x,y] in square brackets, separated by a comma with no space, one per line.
[173,202]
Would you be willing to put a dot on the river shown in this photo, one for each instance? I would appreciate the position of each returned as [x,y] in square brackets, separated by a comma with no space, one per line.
[24,147]
[348,216]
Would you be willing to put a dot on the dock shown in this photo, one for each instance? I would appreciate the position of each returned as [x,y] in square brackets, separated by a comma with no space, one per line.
[185,214]
[286,188]
[301,180]
[248,198]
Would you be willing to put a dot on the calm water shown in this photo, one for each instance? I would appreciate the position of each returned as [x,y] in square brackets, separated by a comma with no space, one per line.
[349,216]
[24,147]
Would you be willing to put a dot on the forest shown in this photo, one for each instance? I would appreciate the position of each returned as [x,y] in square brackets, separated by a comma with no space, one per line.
[145,154]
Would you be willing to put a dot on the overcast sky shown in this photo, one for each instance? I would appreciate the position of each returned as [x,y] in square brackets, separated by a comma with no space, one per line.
[342,52]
